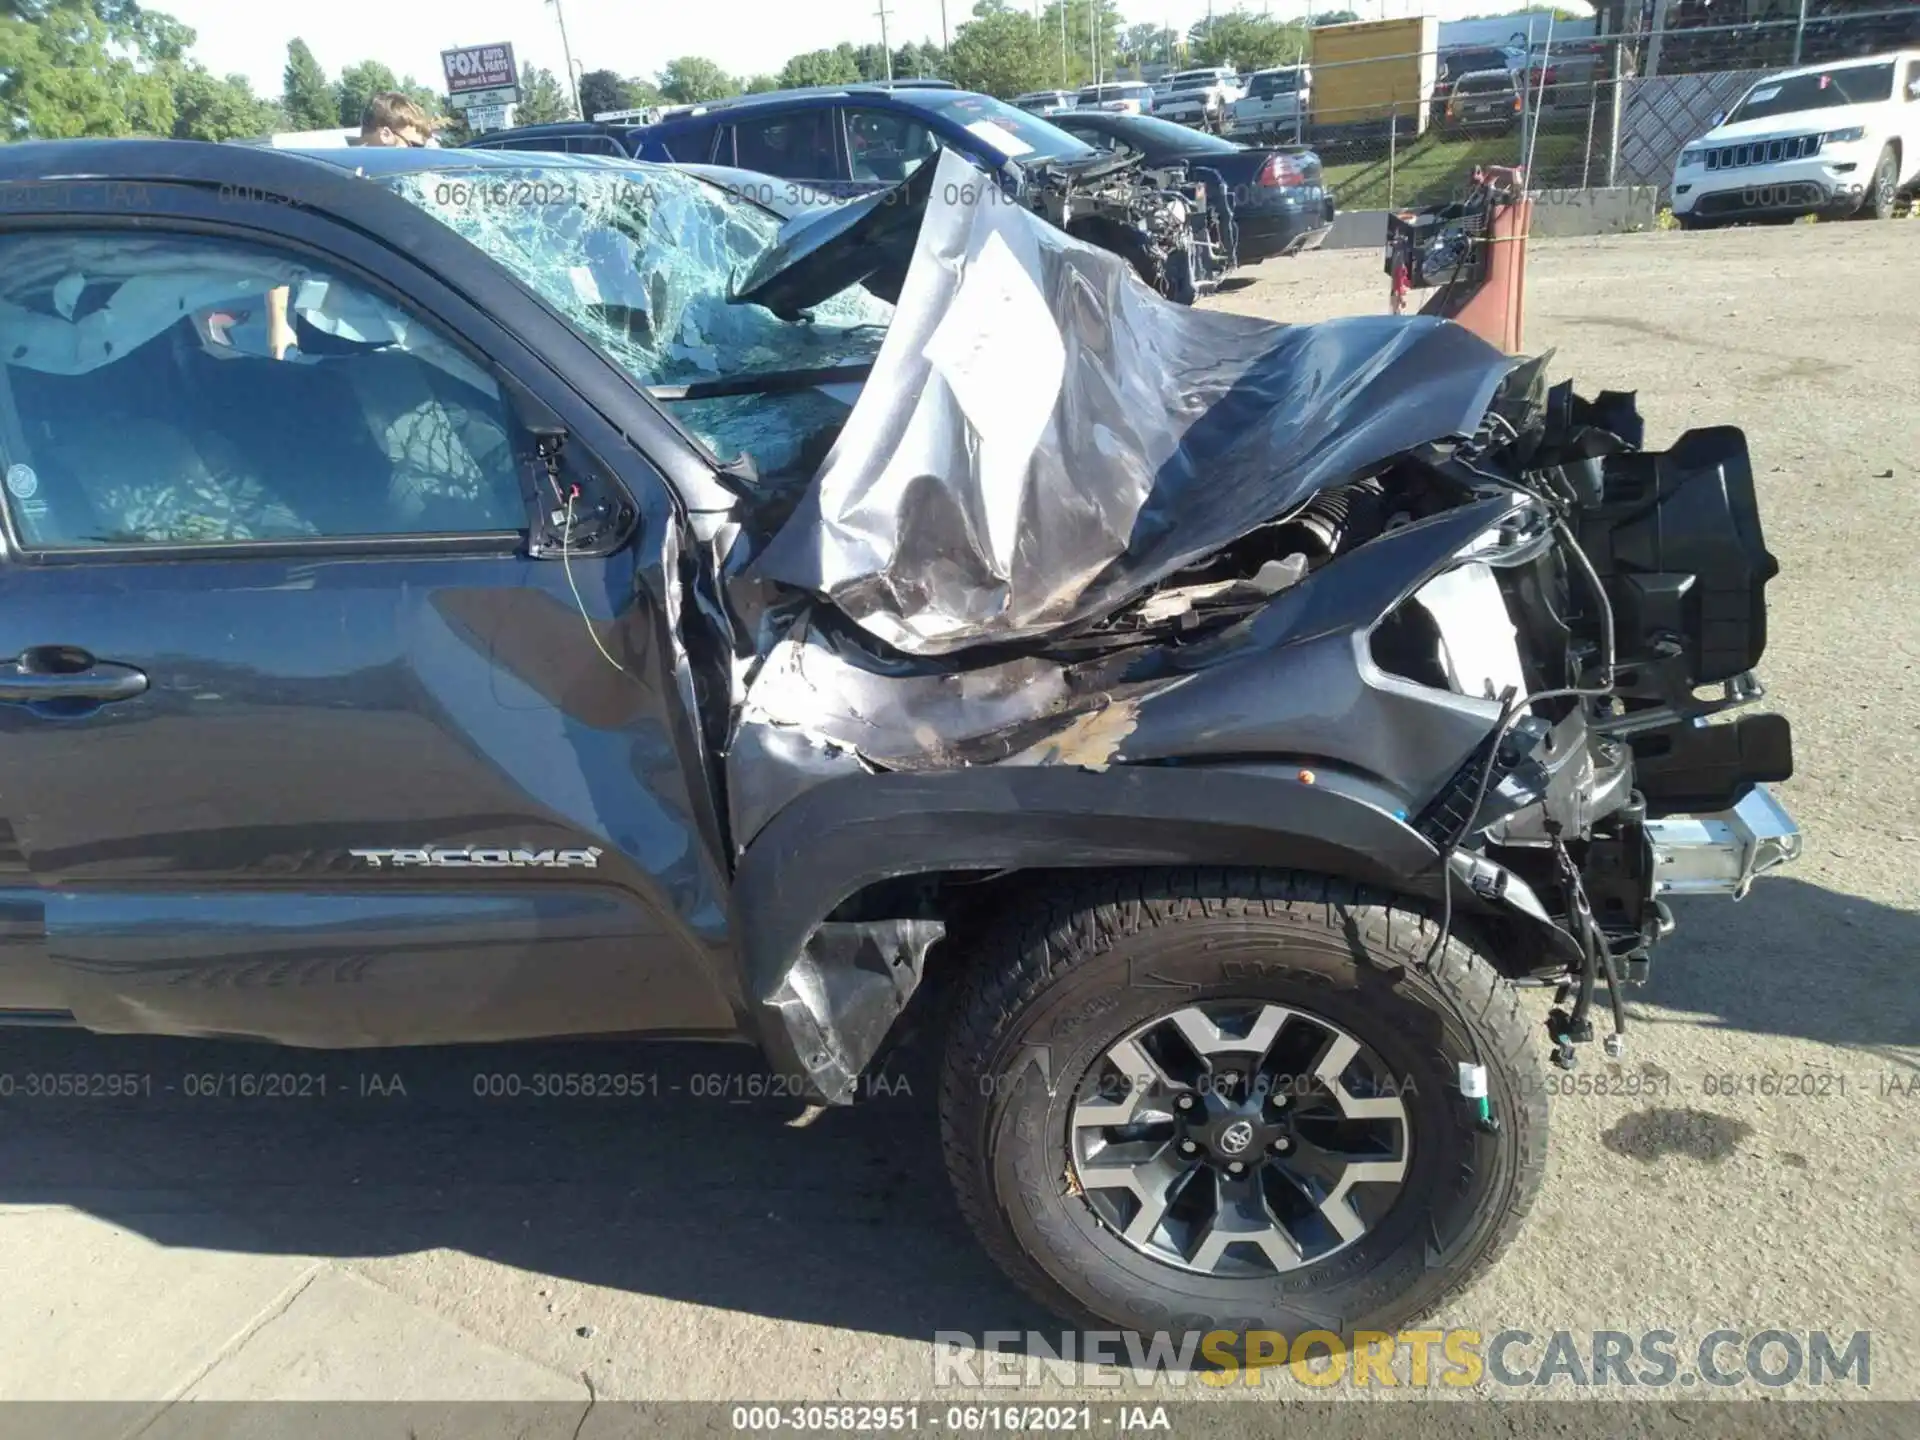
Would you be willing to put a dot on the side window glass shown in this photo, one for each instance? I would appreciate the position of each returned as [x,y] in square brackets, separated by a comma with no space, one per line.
[183,389]
[1913,80]
[885,146]
[794,146]
[694,146]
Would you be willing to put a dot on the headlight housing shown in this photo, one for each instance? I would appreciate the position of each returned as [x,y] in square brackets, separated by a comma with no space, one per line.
[1842,137]
[1692,155]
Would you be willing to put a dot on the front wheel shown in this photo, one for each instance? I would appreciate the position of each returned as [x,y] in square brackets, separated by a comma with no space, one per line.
[1883,191]
[1233,1102]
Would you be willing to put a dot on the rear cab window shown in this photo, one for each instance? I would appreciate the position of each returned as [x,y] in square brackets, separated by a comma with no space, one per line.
[1488,83]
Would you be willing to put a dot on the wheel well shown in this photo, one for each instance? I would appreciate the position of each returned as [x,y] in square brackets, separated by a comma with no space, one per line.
[971,903]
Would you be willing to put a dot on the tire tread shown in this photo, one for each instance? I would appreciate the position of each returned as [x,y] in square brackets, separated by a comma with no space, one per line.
[1034,943]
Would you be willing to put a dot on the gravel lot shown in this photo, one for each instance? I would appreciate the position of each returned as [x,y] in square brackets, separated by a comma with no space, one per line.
[683,1246]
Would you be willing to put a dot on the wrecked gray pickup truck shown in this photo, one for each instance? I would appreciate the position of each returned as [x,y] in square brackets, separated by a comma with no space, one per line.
[823,634]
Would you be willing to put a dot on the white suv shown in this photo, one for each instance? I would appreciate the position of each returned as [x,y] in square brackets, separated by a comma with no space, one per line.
[1839,139]
[1200,97]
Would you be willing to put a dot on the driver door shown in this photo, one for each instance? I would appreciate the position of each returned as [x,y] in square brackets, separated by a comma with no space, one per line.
[300,739]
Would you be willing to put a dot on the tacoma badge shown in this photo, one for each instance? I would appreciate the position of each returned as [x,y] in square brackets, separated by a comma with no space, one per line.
[465,858]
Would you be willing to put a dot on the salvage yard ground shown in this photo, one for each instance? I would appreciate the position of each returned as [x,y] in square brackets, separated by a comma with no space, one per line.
[413,1240]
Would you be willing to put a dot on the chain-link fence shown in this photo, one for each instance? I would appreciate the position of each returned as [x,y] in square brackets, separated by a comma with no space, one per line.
[1404,130]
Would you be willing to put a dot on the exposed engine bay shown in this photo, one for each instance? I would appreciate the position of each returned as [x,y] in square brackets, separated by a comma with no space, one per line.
[1174,222]
[1067,524]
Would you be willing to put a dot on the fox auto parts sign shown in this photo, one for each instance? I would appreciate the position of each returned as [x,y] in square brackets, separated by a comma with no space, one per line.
[481,75]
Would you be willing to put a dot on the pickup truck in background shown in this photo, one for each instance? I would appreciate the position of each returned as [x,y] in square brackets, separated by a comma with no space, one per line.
[1275,105]
[1201,98]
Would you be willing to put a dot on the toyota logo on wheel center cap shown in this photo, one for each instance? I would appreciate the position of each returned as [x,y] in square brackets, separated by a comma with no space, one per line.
[1236,1137]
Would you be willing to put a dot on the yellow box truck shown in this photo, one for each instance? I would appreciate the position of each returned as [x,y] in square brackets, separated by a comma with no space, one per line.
[1370,71]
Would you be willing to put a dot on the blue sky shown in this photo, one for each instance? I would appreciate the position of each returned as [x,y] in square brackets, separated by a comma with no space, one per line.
[745,36]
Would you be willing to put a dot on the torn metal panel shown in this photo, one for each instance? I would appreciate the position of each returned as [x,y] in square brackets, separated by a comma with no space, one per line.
[1042,438]
[851,982]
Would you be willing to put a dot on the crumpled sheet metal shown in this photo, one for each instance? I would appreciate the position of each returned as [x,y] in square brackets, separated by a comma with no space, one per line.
[1042,437]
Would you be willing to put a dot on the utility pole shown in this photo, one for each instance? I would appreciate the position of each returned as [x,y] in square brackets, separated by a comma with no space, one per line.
[1093,36]
[1063,44]
[566,52]
[945,46]
[885,46]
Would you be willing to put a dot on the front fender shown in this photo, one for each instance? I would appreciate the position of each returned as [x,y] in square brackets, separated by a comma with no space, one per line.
[824,995]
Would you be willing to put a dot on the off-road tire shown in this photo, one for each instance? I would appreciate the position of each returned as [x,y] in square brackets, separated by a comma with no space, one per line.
[1060,979]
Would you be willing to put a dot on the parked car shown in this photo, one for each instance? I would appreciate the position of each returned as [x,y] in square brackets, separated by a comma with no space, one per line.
[1166,720]
[1279,205]
[1200,98]
[1485,100]
[1562,80]
[1836,140]
[1452,65]
[1044,102]
[1276,104]
[1124,97]
[856,140]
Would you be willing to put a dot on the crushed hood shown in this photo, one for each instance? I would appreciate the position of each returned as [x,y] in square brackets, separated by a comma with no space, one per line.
[1042,437]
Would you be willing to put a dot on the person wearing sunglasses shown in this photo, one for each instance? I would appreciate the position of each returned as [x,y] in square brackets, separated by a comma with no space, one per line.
[391,119]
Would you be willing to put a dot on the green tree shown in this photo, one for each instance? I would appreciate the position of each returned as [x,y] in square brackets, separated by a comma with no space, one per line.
[86,68]
[1082,29]
[1332,17]
[919,62]
[305,92]
[602,90]
[1141,44]
[357,85]
[871,62]
[1252,42]
[763,84]
[207,107]
[1002,52]
[819,67]
[693,78]
[543,100]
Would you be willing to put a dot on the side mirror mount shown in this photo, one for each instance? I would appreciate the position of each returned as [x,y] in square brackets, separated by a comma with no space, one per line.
[1719,118]
[576,510]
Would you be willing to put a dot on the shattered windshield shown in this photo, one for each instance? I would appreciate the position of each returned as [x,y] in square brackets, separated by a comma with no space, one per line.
[642,259]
